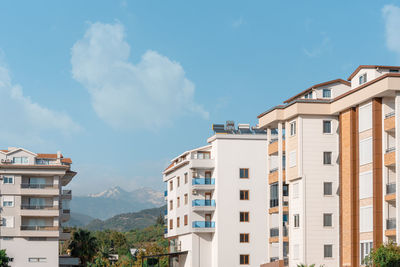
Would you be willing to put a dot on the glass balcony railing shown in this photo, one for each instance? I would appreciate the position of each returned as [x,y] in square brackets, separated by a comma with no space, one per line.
[38,207]
[203,181]
[391,188]
[390,149]
[165,193]
[390,114]
[391,223]
[203,202]
[272,259]
[273,170]
[38,228]
[203,224]
[38,186]
[273,203]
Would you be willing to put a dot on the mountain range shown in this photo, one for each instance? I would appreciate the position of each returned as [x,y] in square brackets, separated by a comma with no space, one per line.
[111,202]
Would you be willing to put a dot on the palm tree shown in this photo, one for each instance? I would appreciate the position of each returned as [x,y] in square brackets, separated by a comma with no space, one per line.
[83,246]
[4,259]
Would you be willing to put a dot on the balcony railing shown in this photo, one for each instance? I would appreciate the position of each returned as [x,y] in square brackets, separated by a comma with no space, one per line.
[203,202]
[67,192]
[391,188]
[285,261]
[273,203]
[391,223]
[203,224]
[38,186]
[285,231]
[390,114]
[274,232]
[202,181]
[38,207]
[285,203]
[272,259]
[66,211]
[273,140]
[390,149]
[165,193]
[273,170]
[38,228]
[165,212]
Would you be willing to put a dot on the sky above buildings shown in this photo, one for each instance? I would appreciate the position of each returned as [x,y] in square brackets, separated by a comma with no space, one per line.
[122,87]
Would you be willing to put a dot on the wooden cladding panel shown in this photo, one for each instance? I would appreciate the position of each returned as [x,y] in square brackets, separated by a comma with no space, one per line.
[389,124]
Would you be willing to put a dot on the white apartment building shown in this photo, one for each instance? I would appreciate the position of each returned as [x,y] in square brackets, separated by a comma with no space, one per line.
[217,201]
[334,147]
[34,206]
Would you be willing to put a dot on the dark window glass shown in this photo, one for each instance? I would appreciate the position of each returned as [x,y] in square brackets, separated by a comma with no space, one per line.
[327,158]
[327,127]
[327,251]
[327,219]
[244,173]
[327,189]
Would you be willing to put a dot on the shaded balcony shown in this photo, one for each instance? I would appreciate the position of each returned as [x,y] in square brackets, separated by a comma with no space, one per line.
[390,157]
[389,122]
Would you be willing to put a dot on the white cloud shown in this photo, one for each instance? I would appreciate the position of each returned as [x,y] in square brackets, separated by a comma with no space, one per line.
[24,121]
[391,15]
[323,46]
[148,94]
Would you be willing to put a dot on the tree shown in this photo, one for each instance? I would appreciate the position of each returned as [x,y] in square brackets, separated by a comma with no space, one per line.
[83,246]
[387,255]
[4,259]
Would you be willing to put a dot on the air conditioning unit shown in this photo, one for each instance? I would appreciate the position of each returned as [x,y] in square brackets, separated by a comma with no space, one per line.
[194,192]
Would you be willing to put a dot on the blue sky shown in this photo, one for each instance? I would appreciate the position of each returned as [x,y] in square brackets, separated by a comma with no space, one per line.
[121,87]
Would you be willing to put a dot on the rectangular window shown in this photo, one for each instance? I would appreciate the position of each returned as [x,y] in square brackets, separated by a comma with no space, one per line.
[8,180]
[244,216]
[171,185]
[362,79]
[365,152]
[37,259]
[292,158]
[171,205]
[327,219]
[178,202]
[244,194]
[178,221]
[244,259]
[185,220]
[296,190]
[285,190]
[365,250]
[365,117]
[186,178]
[186,199]
[244,173]
[327,127]
[366,219]
[327,189]
[274,200]
[326,93]
[7,221]
[8,201]
[327,158]
[365,185]
[293,128]
[393,70]
[328,251]
[171,224]
[296,218]
[20,160]
[178,181]
[244,238]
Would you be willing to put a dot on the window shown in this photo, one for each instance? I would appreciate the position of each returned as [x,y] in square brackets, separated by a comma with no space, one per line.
[186,178]
[365,250]
[244,238]
[171,224]
[327,158]
[327,251]
[366,219]
[178,221]
[20,160]
[171,185]
[7,238]
[296,218]
[365,151]
[185,220]
[244,216]
[327,219]
[326,93]
[308,95]
[393,70]
[186,199]
[296,190]
[292,158]
[171,205]
[8,180]
[37,259]
[7,221]
[327,129]
[42,161]
[365,117]
[293,128]
[273,195]
[244,259]
[244,173]
[285,190]
[362,78]
[244,194]
[327,189]
[178,202]
[178,181]
[8,201]
[365,185]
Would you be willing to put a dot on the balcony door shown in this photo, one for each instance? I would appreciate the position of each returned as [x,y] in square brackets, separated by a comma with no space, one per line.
[207,174]
[208,217]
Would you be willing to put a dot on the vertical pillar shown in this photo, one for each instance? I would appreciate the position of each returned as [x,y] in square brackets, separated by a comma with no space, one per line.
[280,188]
[268,195]
[397,136]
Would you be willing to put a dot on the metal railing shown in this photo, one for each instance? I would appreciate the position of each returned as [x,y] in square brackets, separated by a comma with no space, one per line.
[273,203]
[390,114]
[203,181]
[391,223]
[38,228]
[273,232]
[273,170]
[285,231]
[272,259]
[66,211]
[67,192]
[203,202]
[390,149]
[38,207]
[39,186]
[203,224]
[391,188]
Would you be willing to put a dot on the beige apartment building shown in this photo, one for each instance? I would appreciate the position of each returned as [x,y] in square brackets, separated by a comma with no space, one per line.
[34,206]
[333,170]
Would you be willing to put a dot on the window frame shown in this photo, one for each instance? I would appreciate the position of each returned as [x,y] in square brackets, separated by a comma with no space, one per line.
[330,126]
[186,177]
[178,202]
[171,185]
[324,221]
[331,189]
[178,222]
[185,220]
[331,156]
[296,218]
[362,78]
[171,204]
[178,181]
[246,216]
[293,127]
[186,199]
[331,251]
[171,224]
[244,238]
[245,258]
[246,173]
[7,178]
[326,90]
[246,195]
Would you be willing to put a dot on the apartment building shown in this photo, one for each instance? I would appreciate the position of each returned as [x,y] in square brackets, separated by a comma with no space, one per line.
[217,200]
[334,148]
[34,206]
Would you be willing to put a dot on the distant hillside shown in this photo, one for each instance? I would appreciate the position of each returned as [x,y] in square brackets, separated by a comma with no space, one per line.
[115,201]
[78,219]
[128,221]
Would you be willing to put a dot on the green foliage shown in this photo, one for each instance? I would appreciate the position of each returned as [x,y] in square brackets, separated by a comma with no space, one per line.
[387,255]
[99,262]
[83,245]
[4,259]
[160,219]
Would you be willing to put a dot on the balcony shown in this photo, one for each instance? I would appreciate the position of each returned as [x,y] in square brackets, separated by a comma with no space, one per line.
[273,176]
[390,157]
[201,164]
[39,189]
[203,226]
[65,215]
[66,194]
[389,122]
[39,210]
[203,183]
[390,192]
[38,186]
[39,230]
[273,232]
[65,234]
[390,227]
[203,205]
